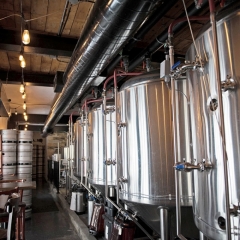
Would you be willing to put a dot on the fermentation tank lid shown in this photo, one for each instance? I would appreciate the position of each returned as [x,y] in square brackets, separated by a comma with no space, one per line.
[142,79]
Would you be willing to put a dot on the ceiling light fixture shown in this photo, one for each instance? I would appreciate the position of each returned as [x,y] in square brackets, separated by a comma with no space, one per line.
[26,125]
[24,113]
[26,35]
[24,105]
[25,129]
[15,111]
[21,56]
[23,63]
[21,88]
[24,95]
[26,117]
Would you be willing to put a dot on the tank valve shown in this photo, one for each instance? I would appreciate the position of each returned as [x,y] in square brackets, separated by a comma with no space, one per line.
[122,180]
[228,84]
[187,167]
[110,162]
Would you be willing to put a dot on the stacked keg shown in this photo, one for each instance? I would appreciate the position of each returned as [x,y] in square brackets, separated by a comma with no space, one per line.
[24,165]
[9,143]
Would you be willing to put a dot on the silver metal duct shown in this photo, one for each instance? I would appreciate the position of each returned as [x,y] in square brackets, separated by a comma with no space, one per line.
[111,24]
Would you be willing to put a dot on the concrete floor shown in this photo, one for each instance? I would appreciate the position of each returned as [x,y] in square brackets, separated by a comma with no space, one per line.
[50,224]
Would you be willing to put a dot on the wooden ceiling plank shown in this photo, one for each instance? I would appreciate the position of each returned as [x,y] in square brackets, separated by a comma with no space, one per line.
[53,21]
[6,5]
[39,9]
[54,66]
[8,22]
[166,20]
[80,18]
[62,66]
[35,63]
[4,60]
[14,61]
[46,64]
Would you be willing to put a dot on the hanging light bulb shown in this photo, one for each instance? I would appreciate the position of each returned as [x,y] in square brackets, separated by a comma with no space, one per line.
[24,113]
[25,117]
[20,56]
[15,111]
[23,63]
[24,105]
[24,95]
[21,88]
[25,129]
[26,36]
[26,125]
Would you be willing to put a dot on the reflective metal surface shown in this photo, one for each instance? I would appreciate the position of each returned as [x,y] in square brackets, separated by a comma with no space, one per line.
[25,135]
[209,194]
[103,36]
[80,149]
[97,163]
[9,135]
[183,134]
[146,151]
[77,160]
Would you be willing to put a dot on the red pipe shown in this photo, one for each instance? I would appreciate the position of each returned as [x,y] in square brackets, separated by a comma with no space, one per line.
[91,101]
[183,19]
[115,75]
[222,3]
[211,6]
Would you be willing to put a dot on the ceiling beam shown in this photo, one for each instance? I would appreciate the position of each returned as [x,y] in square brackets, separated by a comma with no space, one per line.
[45,80]
[40,44]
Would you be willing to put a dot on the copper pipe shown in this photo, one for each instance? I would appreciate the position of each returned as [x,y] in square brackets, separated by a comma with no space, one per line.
[184,19]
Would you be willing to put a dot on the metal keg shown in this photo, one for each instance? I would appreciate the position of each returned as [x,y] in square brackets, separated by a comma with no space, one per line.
[24,146]
[9,146]
[25,136]
[9,140]
[24,157]
[27,198]
[8,158]
[25,168]
[9,169]
[9,135]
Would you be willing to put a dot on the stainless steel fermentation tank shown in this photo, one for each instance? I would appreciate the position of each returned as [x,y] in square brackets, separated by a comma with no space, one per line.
[80,149]
[146,174]
[98,157]
[209,194]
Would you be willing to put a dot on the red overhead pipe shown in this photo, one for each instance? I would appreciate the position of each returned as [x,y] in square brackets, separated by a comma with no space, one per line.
[183,19]
[115,75]
[92,101]
[222,3]
[70,117]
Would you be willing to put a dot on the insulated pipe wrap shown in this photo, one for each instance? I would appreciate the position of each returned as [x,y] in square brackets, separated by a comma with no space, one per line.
[111,24]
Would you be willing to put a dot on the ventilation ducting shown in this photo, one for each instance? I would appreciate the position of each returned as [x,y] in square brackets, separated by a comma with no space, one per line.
[110,25]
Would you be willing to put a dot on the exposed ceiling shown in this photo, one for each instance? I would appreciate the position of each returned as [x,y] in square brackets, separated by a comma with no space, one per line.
[53,41]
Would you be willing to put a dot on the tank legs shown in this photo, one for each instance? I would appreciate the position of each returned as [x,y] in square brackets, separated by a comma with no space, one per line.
[164,223]
[202,237]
